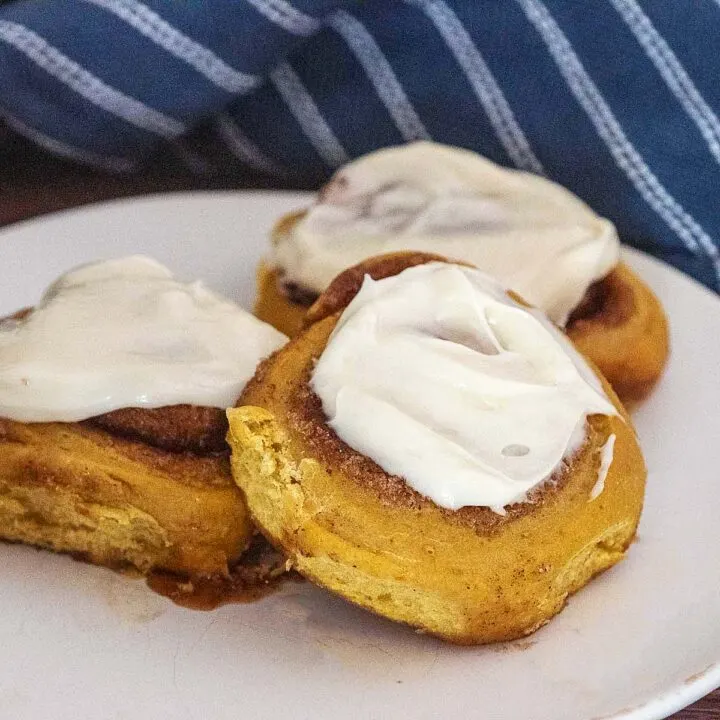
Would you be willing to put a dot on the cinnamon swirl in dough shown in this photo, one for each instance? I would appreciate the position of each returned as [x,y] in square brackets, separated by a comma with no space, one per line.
[533,235]
[112,424]
[436,451]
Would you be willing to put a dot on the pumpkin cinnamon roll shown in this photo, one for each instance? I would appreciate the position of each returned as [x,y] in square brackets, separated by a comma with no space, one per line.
[112,423]
[533,235]
[436,451]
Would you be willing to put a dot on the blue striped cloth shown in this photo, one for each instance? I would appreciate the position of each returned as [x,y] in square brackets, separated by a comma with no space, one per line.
[616,99]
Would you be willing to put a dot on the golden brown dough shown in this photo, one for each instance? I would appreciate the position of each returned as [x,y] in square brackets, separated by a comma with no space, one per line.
[75,488]
[274,306]
[620,325]
[178,428]
[469,576]
[622,328]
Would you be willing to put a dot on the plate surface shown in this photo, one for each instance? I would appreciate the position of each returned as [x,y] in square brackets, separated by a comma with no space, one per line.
[639,643]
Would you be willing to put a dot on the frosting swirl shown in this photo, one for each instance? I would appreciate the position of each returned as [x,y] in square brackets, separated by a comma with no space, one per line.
[442,378]
[533,235]
[125,333]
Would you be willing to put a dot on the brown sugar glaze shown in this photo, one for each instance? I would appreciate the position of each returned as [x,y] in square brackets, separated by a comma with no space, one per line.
[261,571]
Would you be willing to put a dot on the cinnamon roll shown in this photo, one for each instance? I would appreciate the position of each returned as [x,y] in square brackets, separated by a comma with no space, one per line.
[432,449]
[533,235]
[112,424]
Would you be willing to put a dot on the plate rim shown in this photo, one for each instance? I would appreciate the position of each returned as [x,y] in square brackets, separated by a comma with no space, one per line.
[257,193]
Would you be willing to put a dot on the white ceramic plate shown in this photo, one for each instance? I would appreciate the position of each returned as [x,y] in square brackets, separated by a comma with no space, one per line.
[640,642]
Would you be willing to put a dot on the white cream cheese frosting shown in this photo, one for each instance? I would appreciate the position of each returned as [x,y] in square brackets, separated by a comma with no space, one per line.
[443,379]
[606,457]
[532,234]
[125,333]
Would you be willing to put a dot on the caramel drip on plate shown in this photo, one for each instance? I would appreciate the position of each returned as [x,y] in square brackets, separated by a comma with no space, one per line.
[261,572]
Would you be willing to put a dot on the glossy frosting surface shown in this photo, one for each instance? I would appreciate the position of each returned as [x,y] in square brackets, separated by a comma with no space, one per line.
[443,379]
[125,333]
[533,235]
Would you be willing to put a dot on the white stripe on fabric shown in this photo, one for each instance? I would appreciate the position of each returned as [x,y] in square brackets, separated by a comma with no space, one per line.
[381,75]
[85,157]
[243,148]
[283,14]
[155,28]
[308,116]
[483,83]
[672,72]
[84,83]
[625,155]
